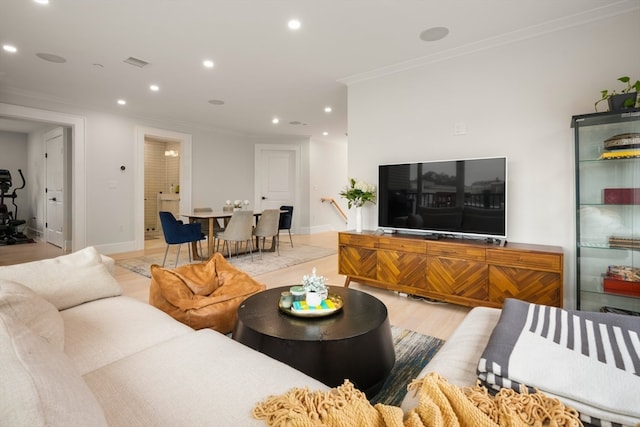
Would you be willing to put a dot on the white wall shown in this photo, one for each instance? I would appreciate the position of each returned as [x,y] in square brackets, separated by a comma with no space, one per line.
[328,176]
[516,100]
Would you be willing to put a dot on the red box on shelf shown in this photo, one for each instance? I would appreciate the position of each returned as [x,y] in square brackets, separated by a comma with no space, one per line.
[621,287]
[622,196]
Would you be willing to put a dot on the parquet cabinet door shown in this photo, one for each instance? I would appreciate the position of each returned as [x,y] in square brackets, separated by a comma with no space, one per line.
[459,277]
[540,287]
[402,268]
[402,262]
[357,261]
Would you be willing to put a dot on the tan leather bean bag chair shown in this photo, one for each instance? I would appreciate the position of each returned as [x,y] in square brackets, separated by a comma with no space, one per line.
[202,295]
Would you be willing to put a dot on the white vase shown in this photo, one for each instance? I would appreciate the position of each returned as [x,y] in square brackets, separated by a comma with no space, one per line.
[359,219]
[313,299]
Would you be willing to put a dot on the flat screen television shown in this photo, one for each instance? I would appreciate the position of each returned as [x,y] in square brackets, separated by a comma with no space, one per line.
[464,197]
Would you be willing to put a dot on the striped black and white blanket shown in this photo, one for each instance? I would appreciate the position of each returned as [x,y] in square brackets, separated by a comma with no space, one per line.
[590,361]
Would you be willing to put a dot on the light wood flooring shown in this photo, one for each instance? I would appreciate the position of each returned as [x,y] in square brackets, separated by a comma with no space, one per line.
[435,319]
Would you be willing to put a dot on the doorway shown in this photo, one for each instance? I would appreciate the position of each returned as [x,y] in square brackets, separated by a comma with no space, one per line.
[170,154]
[161,182]
[77,228]
[277,176]
[57,221]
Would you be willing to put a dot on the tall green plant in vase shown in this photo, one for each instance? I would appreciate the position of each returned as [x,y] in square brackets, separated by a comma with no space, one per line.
[357,194]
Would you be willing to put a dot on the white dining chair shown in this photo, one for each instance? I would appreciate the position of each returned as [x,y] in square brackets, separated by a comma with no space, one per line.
[268,227]
[238,230]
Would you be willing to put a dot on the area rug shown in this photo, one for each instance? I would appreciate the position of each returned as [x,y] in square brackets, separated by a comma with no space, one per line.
[269,261]
[413,352]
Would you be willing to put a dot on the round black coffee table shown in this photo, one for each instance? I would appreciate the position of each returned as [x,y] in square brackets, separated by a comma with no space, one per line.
[354,343]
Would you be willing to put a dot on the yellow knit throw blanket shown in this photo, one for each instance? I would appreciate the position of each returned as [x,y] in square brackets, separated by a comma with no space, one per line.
[440,405]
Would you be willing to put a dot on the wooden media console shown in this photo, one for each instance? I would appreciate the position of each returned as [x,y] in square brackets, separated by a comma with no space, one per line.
[459,271]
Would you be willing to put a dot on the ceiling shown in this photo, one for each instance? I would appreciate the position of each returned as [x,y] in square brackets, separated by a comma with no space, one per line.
[262,69]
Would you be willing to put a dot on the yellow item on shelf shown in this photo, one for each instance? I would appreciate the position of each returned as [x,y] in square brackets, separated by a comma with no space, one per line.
[620,154]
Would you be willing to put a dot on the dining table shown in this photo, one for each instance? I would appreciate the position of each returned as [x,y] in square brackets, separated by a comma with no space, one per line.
[212,216]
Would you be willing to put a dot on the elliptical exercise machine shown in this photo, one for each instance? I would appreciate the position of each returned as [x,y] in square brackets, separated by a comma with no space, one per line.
[9,221]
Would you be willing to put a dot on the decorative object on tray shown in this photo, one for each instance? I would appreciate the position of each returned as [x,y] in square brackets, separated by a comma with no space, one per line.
[623,100]
[311,298]
[624,242]
[357,194]
[298,292]
[315,288]
[286,299]
[332,304]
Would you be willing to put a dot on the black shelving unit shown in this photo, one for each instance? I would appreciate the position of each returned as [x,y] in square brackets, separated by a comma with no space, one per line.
[607,168]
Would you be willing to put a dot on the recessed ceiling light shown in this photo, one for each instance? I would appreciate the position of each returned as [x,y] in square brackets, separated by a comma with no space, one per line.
[294,24]
[216,102]
[275,120]
[328,109]
[41,1]
[325,133]
[434,34]
[49,57]
[10,48]
[122,102]
[207,63]
[154,88]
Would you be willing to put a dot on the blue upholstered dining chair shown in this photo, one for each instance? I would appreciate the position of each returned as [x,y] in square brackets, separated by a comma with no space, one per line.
[177,233]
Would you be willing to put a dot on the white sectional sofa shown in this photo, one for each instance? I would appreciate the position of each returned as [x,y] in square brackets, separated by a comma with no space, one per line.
[75,352]
[457,360]
[588,361]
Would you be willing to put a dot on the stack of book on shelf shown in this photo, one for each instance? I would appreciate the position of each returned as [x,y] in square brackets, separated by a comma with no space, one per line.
[622,280]
[624,242]
[623,146]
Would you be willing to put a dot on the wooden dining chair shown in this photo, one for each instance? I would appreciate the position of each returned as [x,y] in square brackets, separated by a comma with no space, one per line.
[238,230]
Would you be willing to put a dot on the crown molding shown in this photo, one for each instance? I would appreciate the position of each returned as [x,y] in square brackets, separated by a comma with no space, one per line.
[555,25]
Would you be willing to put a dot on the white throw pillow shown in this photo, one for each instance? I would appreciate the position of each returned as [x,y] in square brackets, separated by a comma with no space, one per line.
[39,315]
[68,280]
[40,386]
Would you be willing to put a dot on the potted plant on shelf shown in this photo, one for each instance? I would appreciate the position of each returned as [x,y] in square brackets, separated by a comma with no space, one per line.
[357,194]
[627,98]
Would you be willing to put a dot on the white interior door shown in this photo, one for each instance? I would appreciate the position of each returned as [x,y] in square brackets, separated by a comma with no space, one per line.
[54,187]
[277,169]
